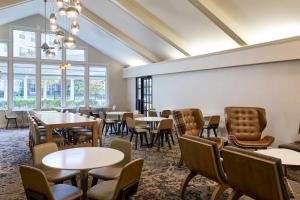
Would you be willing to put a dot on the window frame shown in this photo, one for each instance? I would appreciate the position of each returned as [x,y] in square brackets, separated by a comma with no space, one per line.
[78,48]
[37,43]
[7,83]
[7,44]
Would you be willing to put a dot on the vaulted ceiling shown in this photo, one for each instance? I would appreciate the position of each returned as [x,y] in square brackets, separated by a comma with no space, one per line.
[138,32]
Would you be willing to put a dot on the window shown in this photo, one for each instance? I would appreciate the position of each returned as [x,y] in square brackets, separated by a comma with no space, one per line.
[75,55]
[97,86]
[3,49]
[24,93]
[50,38]
[3,85]
[24,44]
[143,94]
[51,86]
[75,86]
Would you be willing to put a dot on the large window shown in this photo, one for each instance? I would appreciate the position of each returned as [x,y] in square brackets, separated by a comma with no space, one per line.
[51,86]
[97,86]
[3,49]
[75,86]
[24,44]
[50,41]
[3,85]
[75,55]
[24,95]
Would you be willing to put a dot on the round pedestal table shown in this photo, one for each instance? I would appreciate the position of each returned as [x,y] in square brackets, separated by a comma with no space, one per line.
[83,159]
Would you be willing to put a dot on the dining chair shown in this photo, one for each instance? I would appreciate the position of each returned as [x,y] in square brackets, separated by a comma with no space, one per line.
[255,175]
[202,157]
[152,113]
[113,172]
[141,124]
[53,175]
[164,130]
[37,187]
[213,124]
[108,123]
[137,132]
[10,116]
[122,124]
[123,187]
[166,113]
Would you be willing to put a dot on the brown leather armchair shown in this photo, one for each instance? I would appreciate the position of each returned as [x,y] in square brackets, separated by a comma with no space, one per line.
[245,126]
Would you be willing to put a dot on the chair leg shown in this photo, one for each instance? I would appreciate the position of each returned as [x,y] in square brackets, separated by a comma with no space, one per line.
[73,181]
[208,132]
[215,132]
[219,191]
[16,123]
[141,140]
[180,163]
[168,140]
[94,181]
[188,178]
[146,139]
[171,134]
[201,134]
[131,136]
[106,129]
[234,195]
[136,141]
[7,123]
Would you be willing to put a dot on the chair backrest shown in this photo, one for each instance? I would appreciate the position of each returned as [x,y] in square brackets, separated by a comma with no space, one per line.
[34,180]
[130,123]
[125,115]
[129,176]
[214,121]
[40,151]
[165,124]
[166,113]
[100,127]
[202,156]
[152,113]
[245,123]
[35,132]
[123,146]
[188,121]
[253,174]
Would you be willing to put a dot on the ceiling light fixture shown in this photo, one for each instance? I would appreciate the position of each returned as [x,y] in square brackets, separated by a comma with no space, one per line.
[60,3]
[56,43]
[62,12]
[50,53]
[72,12]
[69,42]
[75,28]
[52,18]
[59,33]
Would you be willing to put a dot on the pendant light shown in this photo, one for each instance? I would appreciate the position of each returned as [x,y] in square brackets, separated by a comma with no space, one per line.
[59,34]
[62,11]
[75,27]
[60,3]
[50,53]
[69,42]
[72,12]
[45,46]
[56,43]
[52,18]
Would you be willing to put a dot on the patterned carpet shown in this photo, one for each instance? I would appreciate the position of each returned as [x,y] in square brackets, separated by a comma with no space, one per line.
[161,178]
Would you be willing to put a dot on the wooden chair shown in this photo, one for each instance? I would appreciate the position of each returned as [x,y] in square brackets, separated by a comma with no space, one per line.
[255,175]
[53,175]
[108,123]
[122,124]
[212,124]
[166,113]
[37,187]
[164,130]
[10,116]
[202,157]
[137,132]
[123,187]
[113,172]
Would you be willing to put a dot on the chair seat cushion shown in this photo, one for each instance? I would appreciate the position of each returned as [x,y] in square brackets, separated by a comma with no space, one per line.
[110,121]
[103,190]
[57,175]
[141,130]
[106,173]
[65,192]
[256,144]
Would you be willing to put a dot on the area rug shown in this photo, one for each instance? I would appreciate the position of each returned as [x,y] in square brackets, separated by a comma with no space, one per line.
[161,177]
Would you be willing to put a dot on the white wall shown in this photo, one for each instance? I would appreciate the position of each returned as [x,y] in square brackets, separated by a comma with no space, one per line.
[273,86]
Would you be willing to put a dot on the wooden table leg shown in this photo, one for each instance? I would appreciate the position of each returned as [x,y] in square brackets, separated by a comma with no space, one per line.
[49,134]
[95,134]
[84,183]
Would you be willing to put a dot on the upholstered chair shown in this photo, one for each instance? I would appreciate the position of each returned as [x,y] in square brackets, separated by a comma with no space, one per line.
[141,124]
[122,124]
[166,113]
[36,186]
[213,124]
[123,187]
[245,126]
[113,172]
[164,130]
[53,175]
[136,132]
[152,113]
[255,175]
[108,123]
[202,157]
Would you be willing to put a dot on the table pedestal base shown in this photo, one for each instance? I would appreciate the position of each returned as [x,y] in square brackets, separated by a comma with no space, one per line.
[84,183]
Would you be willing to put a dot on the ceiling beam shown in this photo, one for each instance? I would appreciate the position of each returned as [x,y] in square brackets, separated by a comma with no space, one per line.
[202,8]
[153,23]
[6,4]
[122,37]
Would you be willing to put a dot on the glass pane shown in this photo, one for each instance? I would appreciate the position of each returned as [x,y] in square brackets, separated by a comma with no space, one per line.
[3,85]
[50,38]
[24,96]
[75,54]
[3,49]
[51,86]
[97,86]
[24,44]
[75,87]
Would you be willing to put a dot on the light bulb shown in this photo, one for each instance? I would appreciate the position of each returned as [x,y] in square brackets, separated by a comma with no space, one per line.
[60,3]
[62,12]
[59,33]
[72,12]
[75,28]
[56,43]
[78,6]
[69,42]
[50,53]
[52,18]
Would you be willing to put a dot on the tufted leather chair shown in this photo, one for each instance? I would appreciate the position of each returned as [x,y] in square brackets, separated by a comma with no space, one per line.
[245,126]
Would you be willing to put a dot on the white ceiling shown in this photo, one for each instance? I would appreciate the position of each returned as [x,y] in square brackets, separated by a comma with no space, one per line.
[255,21]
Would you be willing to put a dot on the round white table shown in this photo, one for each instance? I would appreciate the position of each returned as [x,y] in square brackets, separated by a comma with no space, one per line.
[83,159]
[116,113]
[150,119]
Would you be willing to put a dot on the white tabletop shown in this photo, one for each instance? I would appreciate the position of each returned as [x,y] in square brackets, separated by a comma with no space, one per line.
[83,158]
[150,119]
[116,113]
[287,156]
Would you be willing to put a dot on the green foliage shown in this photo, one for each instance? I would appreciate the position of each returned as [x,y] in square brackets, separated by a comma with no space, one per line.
[75,103]
[24,103]
[51,103]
